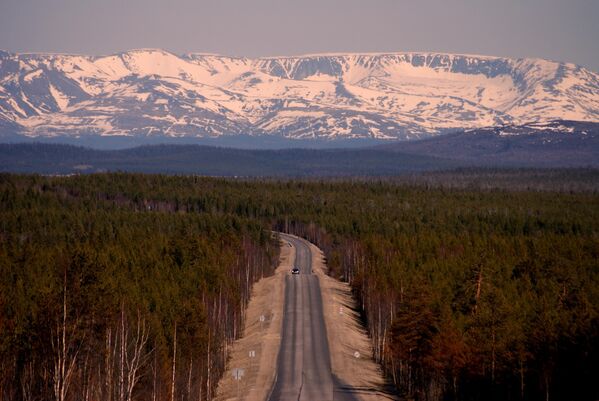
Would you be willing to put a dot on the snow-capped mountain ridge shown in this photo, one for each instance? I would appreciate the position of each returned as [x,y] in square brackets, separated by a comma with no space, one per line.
[152,92]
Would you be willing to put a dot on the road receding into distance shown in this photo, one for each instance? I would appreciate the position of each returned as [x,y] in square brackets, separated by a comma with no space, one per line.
[304,363]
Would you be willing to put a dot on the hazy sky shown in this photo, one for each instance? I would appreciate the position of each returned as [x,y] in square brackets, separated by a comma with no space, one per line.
[564,30]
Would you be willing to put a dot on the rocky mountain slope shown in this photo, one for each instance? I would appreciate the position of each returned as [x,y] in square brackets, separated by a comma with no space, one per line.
[156,94]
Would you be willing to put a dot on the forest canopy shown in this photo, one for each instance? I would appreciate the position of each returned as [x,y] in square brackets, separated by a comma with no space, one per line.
[467,293]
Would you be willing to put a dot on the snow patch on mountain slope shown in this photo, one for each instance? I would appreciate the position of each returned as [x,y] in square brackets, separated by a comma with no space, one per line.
[60,98]
[32,75]
[21,113]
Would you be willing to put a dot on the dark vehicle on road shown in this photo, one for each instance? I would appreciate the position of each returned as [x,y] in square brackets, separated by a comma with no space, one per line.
[295,270]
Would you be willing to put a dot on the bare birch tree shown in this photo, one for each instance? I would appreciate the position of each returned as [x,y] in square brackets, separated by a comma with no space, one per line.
[65,356]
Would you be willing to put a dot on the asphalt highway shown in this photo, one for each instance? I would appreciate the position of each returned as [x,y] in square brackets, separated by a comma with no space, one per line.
[304,363]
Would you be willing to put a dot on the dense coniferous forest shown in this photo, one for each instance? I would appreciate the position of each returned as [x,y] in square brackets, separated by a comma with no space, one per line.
[108,295]
[467,293]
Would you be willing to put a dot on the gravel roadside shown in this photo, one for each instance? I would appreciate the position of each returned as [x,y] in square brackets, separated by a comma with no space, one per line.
[264,338]
[350,348]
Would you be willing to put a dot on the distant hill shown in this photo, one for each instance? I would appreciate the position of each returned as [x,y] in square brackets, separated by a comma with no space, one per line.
[556,145]
[213,161]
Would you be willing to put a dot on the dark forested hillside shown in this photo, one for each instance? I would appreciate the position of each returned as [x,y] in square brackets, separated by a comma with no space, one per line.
[561,145]
[467,293]
[213,161]
[558,144]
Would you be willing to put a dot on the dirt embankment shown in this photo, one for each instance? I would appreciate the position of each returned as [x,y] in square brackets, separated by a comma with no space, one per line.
[350,348]
[261,337]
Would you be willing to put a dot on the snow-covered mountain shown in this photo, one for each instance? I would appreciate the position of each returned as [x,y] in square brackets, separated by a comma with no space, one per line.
[154,93]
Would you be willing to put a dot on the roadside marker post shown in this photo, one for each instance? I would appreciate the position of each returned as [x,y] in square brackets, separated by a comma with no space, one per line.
[262,319]
[237,375]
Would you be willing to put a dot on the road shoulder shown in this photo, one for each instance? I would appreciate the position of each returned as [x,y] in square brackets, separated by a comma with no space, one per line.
[350,348]
[264,338]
